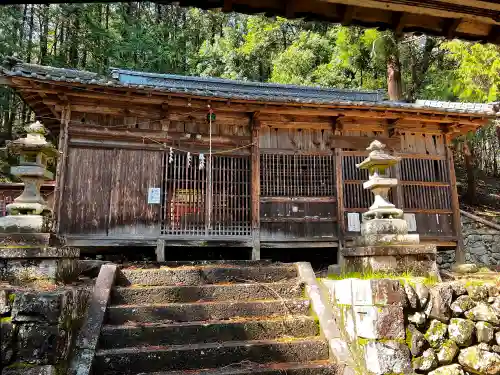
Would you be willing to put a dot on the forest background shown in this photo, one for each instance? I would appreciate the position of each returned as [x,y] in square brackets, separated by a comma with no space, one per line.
[169,39]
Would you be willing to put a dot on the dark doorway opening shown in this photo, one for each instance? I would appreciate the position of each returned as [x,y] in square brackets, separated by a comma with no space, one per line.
[319,257]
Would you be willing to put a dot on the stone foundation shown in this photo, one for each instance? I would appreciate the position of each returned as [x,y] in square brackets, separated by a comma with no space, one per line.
[482,243]
[407,327]
[417,259]
[37,328]
[35,264]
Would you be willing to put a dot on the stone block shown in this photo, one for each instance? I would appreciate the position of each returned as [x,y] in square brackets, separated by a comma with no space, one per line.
[447,352]
[379,292]
[461,331]
[38,343]
[35,370]
[482,312]
[479,361]
[28,265]
[373,322]
[24,224]
[454,369]
[7,332]
[384,226]
[5,302]
[38,307]
[441,299]
[343,291]
[330,287]
[389,357]
[436,333]
[426,362]
[484,332]
[416,341]
[347,318]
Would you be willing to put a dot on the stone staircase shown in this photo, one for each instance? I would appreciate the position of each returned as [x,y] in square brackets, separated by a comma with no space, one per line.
[211,318]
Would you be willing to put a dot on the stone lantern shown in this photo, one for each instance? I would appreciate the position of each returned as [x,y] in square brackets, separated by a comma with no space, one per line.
[28,251]
[384,244]
[34,153]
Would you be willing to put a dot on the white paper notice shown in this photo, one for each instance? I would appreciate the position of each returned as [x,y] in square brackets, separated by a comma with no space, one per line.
[353,223]
[411,221]
[154,196]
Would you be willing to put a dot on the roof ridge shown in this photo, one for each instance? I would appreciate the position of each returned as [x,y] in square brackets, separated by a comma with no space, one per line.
[211,79]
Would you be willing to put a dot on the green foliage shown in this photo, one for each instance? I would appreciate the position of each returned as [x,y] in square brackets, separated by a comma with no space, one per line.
[477,71]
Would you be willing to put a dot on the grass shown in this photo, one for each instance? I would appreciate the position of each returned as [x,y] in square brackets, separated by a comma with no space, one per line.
[402,277]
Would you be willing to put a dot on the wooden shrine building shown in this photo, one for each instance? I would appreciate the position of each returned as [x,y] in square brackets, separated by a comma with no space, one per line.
[151,159]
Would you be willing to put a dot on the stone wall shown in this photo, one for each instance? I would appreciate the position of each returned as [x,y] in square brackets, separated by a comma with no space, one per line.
[450,328]
[37,328]
[482,243]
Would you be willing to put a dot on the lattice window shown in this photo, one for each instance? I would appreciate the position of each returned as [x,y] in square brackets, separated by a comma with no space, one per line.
[427,197]
[427,170]
[189,210]
[297,175]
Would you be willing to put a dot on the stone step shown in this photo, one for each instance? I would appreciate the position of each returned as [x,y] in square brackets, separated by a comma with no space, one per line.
[199,356]
[187,312]
[306,368]
[205,332]
[206,274]
[184,263]
[213,292]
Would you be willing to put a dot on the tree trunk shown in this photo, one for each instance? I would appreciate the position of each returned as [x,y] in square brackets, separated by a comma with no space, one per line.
[394,81]
[45,34]
[469,166]
[30,36]
[75,37]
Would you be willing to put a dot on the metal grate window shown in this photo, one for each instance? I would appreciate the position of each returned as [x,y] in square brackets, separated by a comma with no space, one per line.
[297,175]
[197,207]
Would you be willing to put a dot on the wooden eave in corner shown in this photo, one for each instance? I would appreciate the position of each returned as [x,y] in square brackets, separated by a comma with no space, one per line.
[151,103]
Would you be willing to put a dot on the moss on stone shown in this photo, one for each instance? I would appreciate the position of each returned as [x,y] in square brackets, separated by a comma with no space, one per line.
[408,338]
[21,365]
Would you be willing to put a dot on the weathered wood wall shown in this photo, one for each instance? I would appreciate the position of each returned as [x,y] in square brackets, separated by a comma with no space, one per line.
[308,179]
[106,192]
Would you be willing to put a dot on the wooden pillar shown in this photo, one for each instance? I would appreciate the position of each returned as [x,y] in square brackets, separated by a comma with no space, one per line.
[255,192]
[339,182]
[455,204]
[61,167]
[398,189]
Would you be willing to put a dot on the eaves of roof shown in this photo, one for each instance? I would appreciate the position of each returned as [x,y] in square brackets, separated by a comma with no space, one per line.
[237,90]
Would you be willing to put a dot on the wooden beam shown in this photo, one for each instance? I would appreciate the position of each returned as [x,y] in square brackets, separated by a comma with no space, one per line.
[455,204]
[138,134]
[227,6]
[255,185]
[290,7]
[61,168]
[398,20]
[450,27]
[494,35]
[392,127]
[346,13]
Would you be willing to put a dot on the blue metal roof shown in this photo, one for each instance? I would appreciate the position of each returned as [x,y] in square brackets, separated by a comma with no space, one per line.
[236,90]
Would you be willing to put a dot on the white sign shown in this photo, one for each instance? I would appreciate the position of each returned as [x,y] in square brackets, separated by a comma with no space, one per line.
[412,222]
[154,196]
[353,223]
